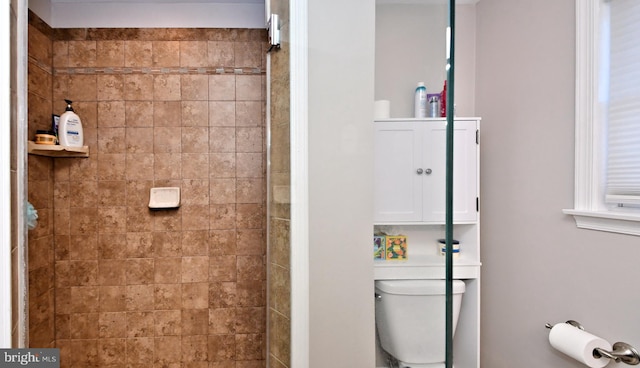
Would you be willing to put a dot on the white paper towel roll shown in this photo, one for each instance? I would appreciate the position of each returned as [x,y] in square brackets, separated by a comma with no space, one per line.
[578,344]
[381,109]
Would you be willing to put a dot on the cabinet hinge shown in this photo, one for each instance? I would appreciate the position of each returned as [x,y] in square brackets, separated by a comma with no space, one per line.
[477,136]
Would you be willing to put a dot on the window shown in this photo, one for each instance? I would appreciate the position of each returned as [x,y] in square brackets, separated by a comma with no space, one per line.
[623,118]
[607,180]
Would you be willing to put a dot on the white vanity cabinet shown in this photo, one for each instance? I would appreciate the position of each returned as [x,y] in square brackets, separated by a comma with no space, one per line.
[410,169]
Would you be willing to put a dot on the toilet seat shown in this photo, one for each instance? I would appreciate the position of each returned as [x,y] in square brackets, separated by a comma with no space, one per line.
[429,365]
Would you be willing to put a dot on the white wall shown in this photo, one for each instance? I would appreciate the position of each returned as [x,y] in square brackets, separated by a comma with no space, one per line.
[537,266]
[341,57]
[465,60]
[410,47]
[6,323]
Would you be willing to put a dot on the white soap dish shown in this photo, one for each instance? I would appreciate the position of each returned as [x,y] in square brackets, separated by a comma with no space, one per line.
[164,198]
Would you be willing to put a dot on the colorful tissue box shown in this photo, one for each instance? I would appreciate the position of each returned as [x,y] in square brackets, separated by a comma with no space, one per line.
[396,247]
[379,248]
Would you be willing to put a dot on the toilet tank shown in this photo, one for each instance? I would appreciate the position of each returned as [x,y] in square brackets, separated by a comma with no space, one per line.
[410,318]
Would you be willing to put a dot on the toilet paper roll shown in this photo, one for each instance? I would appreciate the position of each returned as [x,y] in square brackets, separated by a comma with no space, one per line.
[578,344]
[381,109]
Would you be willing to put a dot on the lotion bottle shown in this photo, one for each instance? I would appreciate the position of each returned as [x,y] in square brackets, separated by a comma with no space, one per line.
[420,103]
[70,128]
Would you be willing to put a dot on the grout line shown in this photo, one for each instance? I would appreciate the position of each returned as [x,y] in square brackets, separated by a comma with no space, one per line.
[147,70]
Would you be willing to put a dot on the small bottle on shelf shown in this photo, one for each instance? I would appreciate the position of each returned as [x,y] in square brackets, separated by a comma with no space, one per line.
[420,102]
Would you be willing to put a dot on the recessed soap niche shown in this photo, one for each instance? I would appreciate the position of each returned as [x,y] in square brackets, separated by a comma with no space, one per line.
[164,198]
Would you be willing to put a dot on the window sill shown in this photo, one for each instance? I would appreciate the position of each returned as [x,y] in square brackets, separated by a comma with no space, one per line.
[623,223]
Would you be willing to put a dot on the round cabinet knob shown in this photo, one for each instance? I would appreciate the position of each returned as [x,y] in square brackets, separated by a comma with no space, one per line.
[427,171]
[419,171]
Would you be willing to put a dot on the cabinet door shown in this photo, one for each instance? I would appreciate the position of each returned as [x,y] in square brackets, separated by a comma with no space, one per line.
[464,171]
[398,186]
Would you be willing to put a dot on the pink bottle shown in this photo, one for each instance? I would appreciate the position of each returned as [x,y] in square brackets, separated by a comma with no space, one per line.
[443,100]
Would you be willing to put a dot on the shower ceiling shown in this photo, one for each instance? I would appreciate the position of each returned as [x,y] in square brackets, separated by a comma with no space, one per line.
[166,13]
[161,1]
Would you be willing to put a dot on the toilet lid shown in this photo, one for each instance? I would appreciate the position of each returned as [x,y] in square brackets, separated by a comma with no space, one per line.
[418,287]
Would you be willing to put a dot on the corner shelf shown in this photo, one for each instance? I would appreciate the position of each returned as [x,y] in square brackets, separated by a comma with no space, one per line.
[57,150]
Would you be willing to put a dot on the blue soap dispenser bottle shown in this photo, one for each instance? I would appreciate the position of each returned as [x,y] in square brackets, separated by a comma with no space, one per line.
[420,101]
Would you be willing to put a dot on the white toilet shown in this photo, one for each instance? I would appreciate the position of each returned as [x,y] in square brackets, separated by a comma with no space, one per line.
[410,318]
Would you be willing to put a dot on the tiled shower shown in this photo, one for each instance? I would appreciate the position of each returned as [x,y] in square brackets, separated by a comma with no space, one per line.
[113,284]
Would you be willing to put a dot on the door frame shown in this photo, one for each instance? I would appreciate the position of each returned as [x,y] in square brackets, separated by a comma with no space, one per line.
[299,185]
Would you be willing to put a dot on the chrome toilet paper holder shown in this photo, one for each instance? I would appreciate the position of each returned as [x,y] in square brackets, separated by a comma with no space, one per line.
[622,352]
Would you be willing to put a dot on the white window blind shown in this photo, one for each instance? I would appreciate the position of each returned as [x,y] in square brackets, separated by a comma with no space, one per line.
[623,125]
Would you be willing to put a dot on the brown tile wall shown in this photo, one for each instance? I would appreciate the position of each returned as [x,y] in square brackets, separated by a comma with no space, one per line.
[170,288]
[40,187]
[279,200]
